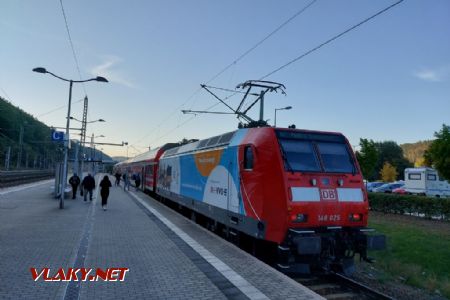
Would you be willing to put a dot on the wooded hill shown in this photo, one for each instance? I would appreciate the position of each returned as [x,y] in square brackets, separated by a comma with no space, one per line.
[414,151]
[28,141]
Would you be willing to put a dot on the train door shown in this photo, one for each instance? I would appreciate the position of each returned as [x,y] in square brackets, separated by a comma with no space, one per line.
[232,193]
[248,183]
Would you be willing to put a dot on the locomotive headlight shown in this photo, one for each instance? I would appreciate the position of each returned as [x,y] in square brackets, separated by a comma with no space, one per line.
[355,217]
[299,218]
[341,182]
[313,182]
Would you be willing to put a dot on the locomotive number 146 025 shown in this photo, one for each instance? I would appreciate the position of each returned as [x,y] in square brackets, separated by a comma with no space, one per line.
[326,218]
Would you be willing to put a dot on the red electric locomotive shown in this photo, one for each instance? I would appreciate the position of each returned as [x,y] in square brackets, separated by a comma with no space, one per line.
[297,191]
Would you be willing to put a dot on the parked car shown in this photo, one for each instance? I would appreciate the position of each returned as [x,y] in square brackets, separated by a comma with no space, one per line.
[371,185]
[400,191]
[388,187]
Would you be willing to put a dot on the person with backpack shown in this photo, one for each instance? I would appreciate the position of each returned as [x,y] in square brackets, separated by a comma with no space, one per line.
[74,181]
[88,185]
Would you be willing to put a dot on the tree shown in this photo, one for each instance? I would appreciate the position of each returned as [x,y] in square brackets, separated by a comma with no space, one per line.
[367,157]
[438,155]
[390,151]
[34,144]
[388,173]
[420,162]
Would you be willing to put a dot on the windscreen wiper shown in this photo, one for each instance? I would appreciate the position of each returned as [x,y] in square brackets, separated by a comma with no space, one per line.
[283,154]
[353,166]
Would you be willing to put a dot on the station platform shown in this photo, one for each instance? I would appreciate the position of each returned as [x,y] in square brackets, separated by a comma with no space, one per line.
[166,255]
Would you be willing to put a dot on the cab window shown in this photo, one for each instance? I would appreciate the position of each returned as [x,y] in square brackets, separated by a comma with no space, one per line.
[248,158]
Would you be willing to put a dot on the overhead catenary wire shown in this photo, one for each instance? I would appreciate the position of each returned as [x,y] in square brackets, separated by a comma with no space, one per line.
[6,94]
[71,44]
[58,108]
[301,56]
[299,12]
[43,114]
[331,40]
[325,43]
[234,62]
[182,124]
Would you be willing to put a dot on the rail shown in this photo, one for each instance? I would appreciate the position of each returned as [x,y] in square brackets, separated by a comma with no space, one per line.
[11,178]
[337,286]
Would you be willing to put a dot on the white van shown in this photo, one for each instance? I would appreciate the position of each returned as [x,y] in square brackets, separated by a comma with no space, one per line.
[425,181]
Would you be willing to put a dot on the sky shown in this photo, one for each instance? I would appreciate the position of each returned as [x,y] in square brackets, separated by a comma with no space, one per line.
[388,79]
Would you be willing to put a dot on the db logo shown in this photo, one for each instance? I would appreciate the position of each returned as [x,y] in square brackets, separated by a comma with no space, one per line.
[328,194]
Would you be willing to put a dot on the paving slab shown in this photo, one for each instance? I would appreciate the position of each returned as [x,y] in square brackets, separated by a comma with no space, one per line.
[168,256]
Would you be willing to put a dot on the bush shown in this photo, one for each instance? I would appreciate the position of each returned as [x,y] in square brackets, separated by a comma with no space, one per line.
[411,204]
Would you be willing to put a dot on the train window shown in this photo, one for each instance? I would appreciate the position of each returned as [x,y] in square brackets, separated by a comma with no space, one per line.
[299,155]
[335,158]
[248,158]
[431,177]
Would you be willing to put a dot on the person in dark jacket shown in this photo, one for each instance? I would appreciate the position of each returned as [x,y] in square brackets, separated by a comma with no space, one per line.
[88,185]
[118,176]
[74,182]
[105,184]
[137,181]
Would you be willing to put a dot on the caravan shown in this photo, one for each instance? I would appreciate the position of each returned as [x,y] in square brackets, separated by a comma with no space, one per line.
[425,181]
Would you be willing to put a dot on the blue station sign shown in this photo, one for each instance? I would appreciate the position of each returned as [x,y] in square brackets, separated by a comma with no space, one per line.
[57,136]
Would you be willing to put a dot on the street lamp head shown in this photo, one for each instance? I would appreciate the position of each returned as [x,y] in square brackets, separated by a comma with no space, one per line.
[100,78]
[101,120]
[288,107]
[40,70]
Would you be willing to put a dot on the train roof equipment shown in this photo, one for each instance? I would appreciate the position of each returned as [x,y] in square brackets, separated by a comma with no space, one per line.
[240,112]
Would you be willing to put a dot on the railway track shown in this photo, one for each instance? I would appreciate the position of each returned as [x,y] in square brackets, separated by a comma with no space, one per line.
[328,284]
[11,178]
[336,286]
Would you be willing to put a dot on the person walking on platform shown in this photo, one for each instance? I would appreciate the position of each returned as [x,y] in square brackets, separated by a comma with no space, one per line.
[105,184]
[74,182]
[126,181]
[137,181]
[118,176]
[88,185]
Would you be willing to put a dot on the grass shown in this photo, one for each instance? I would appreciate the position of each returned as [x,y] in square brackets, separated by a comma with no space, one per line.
[417,256]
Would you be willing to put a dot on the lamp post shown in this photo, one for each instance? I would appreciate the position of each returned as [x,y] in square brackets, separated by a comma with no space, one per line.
[99,120]
[83,138]
[93,152]
[125,143]
[284,108]
[67,138]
